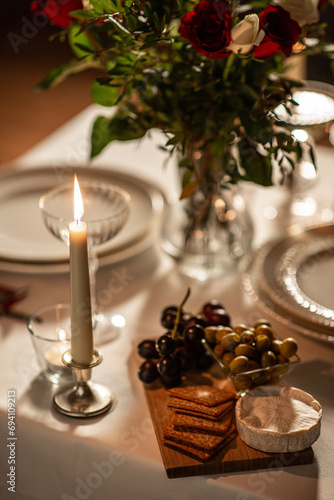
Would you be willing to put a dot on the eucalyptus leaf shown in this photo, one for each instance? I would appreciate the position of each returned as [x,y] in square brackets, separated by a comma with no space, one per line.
[104,94]
[189,189]
[100,136]
[257,168]
[57,75]
[84,48]
[186,178]
[83,14]
[80,42]
[52,77]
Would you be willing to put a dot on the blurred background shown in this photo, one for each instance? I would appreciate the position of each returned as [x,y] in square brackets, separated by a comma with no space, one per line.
[26,56]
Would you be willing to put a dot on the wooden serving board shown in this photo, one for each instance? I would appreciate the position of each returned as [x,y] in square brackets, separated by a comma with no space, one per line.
[236,456]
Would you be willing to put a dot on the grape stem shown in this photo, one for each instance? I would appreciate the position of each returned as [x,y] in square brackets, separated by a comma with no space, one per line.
[178,315]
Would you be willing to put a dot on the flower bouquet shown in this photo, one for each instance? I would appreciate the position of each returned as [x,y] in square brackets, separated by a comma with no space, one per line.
[208,73]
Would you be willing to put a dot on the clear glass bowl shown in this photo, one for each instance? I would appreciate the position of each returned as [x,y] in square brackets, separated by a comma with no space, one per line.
[246,381]
[106,210]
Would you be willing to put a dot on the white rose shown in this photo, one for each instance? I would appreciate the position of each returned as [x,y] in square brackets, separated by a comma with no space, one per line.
[245,35]
[302,11]
[86,4]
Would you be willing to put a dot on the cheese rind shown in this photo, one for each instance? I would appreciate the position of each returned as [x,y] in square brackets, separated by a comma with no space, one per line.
[278,419]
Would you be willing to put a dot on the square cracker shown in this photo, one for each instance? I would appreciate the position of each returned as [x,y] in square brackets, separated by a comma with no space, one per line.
[199,441]
[191,408]
[188,423]
[206,395]
[200,454]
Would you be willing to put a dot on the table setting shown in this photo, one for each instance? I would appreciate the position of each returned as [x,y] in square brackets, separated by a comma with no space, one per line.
[166,299]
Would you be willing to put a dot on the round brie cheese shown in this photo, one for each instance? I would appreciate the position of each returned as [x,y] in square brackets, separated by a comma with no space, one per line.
[278,419]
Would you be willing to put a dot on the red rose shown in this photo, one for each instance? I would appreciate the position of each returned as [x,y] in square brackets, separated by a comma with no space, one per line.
[57,11]
[282,32]
[208,28]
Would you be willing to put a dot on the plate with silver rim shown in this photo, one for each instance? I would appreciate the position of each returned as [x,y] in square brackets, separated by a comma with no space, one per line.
[27,246]
[292,278]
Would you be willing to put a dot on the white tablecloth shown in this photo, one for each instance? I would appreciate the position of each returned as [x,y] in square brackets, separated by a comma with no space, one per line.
[117,456]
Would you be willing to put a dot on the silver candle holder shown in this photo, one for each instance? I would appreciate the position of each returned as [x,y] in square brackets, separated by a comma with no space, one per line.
[84,398]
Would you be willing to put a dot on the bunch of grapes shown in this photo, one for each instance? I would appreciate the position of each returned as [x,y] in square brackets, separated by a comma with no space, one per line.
[180,347]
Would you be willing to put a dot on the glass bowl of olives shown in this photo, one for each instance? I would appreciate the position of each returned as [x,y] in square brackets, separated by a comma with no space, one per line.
[251,355]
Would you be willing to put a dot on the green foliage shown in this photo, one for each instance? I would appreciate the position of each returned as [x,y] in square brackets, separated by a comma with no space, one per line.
[153,78]
[52,76]
[105,94]
[80,43]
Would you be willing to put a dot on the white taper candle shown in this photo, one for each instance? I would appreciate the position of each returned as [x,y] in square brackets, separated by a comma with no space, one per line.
[81,310]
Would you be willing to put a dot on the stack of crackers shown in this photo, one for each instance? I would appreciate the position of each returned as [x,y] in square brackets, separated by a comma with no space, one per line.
[202,420]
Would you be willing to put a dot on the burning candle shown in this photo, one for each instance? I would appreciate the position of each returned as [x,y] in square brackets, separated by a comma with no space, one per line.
[81,311]
[53,356]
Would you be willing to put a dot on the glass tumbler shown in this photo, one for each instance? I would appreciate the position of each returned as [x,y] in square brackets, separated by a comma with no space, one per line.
[51,337]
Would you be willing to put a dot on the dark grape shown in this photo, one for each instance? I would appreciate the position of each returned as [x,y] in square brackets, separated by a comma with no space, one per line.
[146,349]
[185,358]
[167,309]
[148,371]
[203,361]
[168,365]
[166,344]
[179,342]
[193,336]
[197,319]
[218,317]
[208,307]
[168,319]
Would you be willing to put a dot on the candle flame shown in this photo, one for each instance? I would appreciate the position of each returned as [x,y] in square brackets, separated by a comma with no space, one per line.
[78,203]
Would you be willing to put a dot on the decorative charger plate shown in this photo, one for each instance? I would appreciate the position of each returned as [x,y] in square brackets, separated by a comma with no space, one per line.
[27,246]
[292,278]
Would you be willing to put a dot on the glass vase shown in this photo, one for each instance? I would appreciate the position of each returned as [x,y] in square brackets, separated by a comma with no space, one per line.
[209,232]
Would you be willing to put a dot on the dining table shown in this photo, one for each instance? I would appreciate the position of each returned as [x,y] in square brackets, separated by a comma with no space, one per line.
[116,455]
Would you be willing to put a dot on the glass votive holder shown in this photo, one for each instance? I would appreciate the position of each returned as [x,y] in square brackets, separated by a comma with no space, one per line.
[51,337]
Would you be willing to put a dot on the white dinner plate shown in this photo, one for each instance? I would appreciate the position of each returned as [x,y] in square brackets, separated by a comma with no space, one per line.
[292,277]
[25,242]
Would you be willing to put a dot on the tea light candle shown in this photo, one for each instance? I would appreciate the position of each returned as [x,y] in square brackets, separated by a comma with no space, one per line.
[54,359]
[81,310]
[54,355]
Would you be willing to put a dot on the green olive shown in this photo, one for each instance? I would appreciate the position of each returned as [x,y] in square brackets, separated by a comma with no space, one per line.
[230,341]
[289,347]
[276,346]
[240,328]
[262,343]
[210,334]
[268,358]
[261,322]
[222,331]
[245,350]
[264,330]
[239,364]
[247,337]
[227,358]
